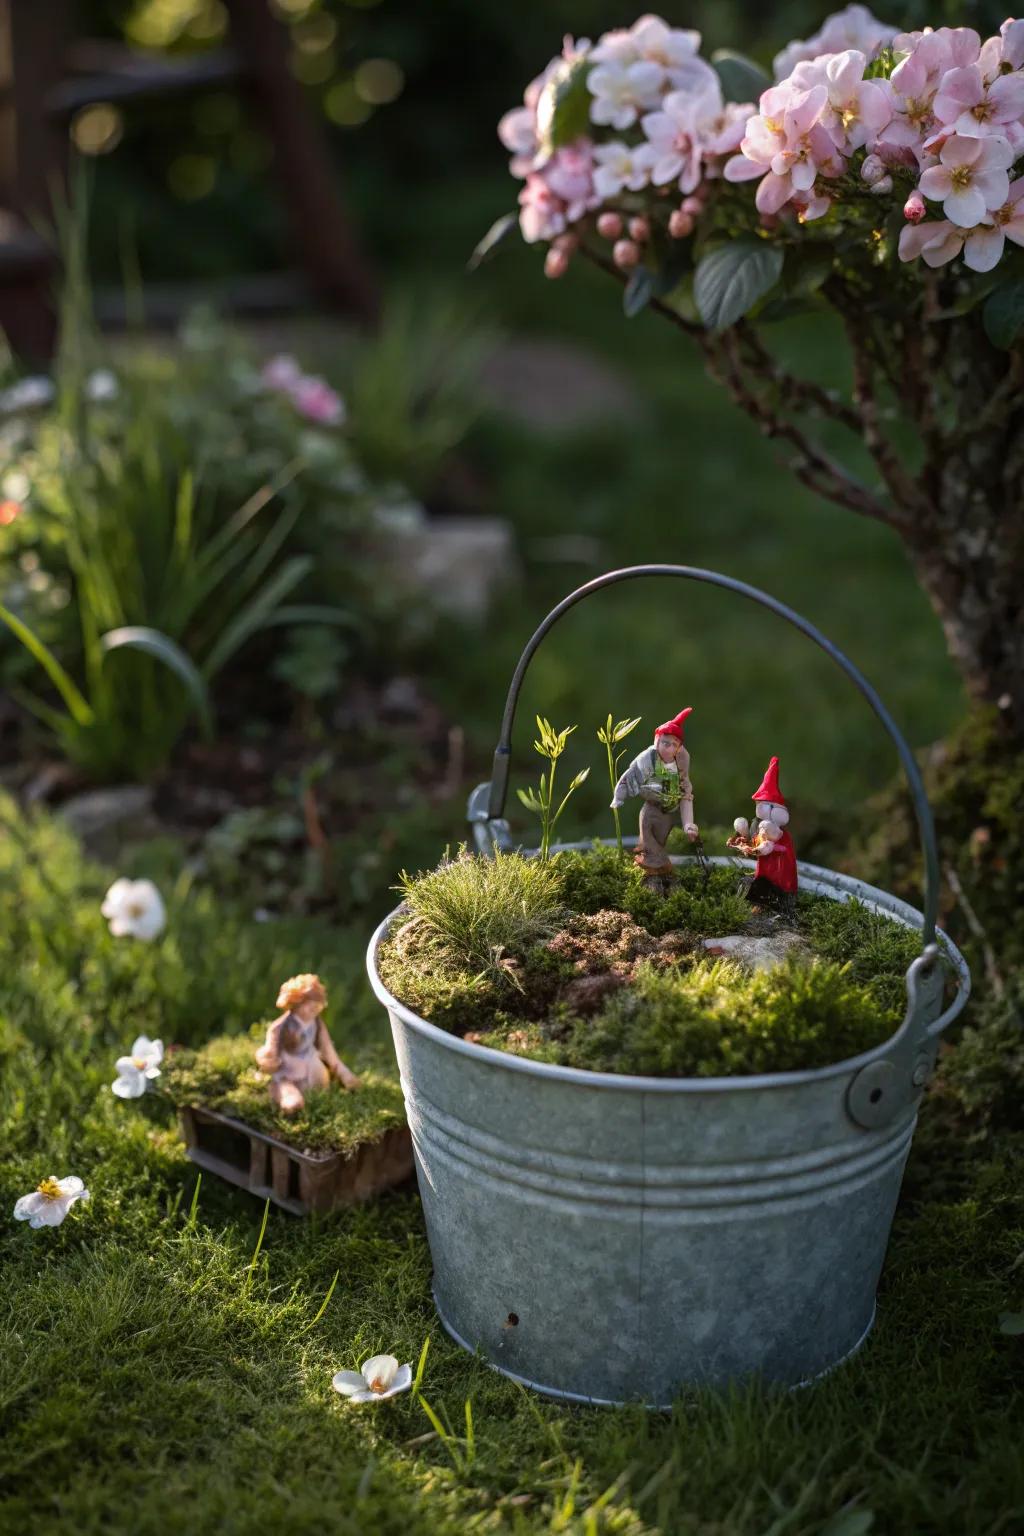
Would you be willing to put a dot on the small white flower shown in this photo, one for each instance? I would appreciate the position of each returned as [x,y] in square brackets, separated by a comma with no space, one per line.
[135,908]
[27,394]
[47,1205]
[380,1377]
[620,165]
[622,91]
[102,385]
[136,1071]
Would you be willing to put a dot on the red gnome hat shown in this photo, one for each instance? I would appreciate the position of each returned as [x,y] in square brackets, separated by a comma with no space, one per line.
[768,789]
[675,727]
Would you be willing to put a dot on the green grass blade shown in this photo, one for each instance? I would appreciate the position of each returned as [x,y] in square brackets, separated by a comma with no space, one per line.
[257,612]
[259,1244]
[421,1367]
[152,642]
[77,705]
[323,1306]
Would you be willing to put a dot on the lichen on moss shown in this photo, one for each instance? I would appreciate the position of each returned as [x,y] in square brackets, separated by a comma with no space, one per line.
[222,1075]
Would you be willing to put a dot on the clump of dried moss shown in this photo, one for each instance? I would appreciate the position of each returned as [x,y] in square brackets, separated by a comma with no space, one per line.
[600,972]
[222,1075]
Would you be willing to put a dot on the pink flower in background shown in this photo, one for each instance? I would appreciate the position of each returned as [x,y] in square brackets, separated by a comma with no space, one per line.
[622,91]
[673,50]
[619,166]
[970,180]
[723,132]
[675,136]
[985,244]
[1011,43]
[854,27]
[281,372]
[857,109]
[570,176]
[974,107]
[312,397]
[935,242]
[786,145]
[541,212]
[315,399]
[518,132]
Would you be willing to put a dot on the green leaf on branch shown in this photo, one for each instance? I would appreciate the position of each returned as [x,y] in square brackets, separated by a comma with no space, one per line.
[563,110]
[681,299]
[486,247]
[731,278]
[742,79]
[638,291]
[1003,315]
[1011,1323]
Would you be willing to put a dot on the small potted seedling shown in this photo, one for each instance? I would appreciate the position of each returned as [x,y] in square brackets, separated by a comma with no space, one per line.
[660,1114]
[288,1120]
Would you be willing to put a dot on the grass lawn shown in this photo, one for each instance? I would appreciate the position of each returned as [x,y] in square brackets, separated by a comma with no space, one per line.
[155,1376]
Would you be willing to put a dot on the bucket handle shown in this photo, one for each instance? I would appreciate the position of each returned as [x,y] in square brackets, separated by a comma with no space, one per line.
[487,803]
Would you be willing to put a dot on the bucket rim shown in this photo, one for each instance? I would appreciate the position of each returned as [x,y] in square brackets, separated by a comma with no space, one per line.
[818,878]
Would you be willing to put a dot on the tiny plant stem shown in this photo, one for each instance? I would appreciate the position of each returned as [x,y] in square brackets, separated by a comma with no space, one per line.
[611,781]
[323,1306]
[421,1367]
[259,1244]
[548,824]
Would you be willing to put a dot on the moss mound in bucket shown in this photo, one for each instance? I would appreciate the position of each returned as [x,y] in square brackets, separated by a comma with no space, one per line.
[223,1076]
[576,961]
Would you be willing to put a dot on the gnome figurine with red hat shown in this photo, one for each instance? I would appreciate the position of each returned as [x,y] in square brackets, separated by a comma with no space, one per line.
[775,882]
[660,775]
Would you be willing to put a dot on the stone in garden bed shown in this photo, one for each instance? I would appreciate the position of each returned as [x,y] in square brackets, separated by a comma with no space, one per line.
[343,1148]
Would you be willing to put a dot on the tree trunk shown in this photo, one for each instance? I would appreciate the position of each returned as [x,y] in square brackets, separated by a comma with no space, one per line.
[969,551]
[975,580]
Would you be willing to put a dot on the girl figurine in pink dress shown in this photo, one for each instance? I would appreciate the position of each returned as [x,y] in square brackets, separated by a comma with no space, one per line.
[298,1051]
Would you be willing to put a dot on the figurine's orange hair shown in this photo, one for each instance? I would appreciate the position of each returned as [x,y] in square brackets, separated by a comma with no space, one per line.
[302,989]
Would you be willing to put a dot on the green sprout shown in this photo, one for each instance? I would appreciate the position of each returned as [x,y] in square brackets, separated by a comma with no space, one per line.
[550,745]
[610,735]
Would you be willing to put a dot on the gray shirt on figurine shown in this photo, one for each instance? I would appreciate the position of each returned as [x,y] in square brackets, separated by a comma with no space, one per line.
[663,784]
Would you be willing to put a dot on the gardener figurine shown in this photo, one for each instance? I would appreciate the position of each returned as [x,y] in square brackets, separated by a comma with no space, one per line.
[661,777]
[775,883]
[298,1050]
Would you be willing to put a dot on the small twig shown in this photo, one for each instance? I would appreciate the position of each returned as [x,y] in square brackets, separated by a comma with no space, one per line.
[974,923]
[812,465]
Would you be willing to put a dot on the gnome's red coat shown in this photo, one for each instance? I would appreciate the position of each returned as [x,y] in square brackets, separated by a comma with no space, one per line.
[778,863]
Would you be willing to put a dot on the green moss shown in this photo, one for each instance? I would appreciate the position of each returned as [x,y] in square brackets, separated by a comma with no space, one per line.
[223,1076]
[877,950]
[477,913]
[625,986]
[600,879]
[714,1020]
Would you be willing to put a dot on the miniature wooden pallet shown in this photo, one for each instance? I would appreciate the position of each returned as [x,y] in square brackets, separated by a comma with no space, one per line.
[299,1182]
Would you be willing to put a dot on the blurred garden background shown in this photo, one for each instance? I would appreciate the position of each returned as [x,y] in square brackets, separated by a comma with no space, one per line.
[284,490]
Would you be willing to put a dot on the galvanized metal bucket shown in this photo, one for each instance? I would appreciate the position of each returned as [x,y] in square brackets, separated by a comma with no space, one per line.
[603,1237]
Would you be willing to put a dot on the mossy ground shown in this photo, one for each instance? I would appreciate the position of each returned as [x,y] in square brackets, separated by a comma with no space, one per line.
[625,984]
[222,1075]
[154,1378]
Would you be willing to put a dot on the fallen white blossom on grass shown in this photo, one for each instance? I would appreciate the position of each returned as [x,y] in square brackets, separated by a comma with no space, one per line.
[380,1377]
[48,1204]
[134,908]
[137,1071]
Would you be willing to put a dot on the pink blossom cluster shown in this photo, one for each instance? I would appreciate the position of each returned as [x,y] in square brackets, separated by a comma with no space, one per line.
[656,118]
[311,395]
[942,115]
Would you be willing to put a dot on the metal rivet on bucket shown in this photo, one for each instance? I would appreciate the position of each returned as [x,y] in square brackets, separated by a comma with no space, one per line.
[656,1232]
